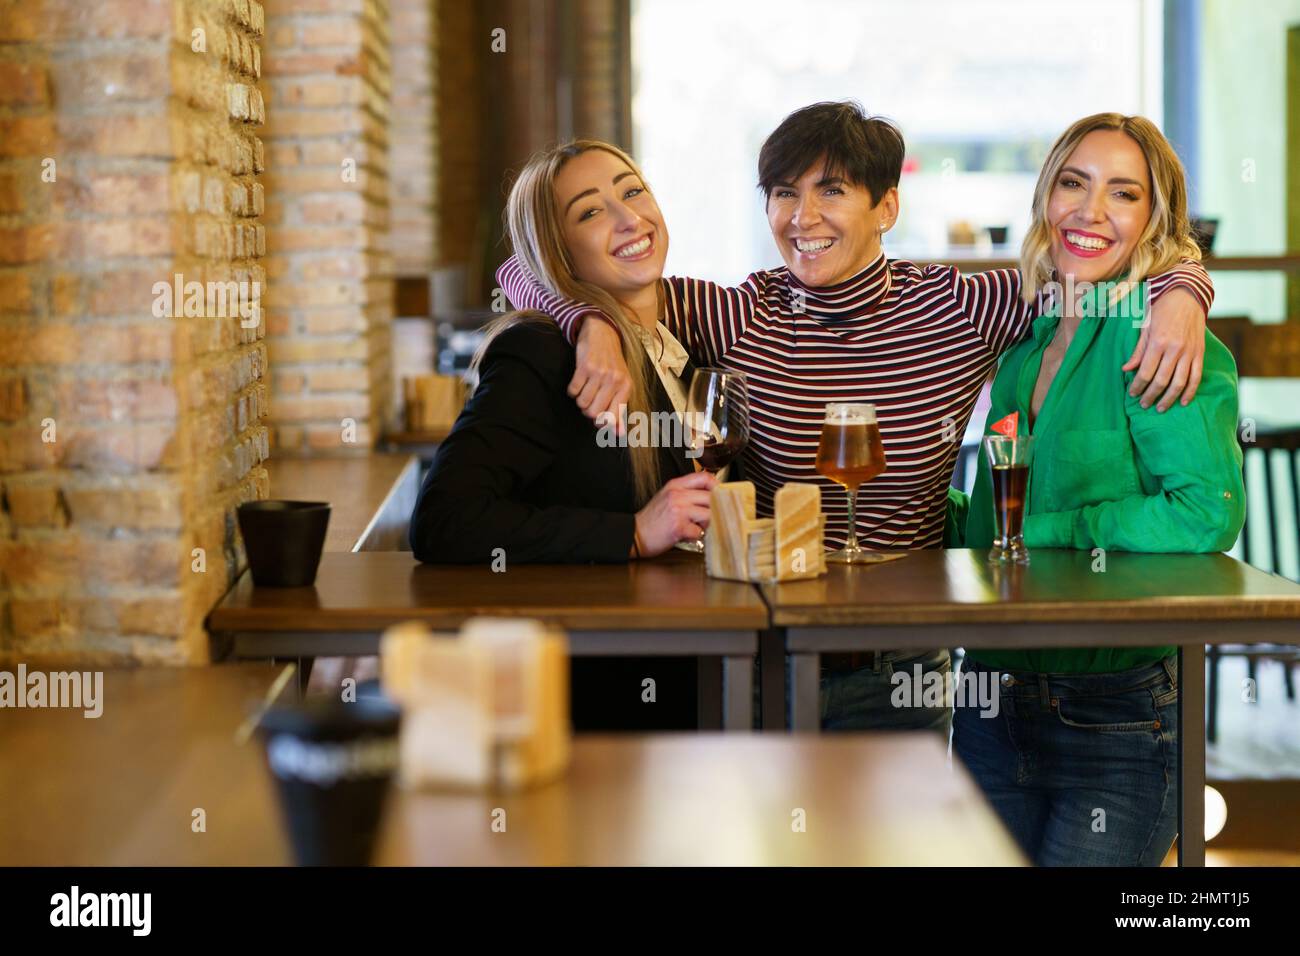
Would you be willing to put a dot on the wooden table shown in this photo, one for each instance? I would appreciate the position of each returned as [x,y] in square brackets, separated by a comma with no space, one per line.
[662,607]
[954,598]
[371,496]
[719,800]
[423,444]
[121,790]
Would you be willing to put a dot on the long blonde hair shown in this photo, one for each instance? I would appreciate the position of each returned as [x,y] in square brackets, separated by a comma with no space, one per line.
[1168,234]
[533,221]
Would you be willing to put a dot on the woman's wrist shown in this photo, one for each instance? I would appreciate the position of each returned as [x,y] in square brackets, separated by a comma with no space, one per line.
[580,322]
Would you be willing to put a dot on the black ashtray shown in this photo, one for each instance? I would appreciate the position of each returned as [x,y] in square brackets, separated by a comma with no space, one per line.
[284,540]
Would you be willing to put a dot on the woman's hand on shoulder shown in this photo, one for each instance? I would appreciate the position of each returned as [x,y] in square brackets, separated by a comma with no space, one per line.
[600,383]
[1169,352]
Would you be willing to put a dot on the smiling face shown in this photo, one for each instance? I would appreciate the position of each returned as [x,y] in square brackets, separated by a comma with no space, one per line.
[1099,206]
[612,226]
[827,228]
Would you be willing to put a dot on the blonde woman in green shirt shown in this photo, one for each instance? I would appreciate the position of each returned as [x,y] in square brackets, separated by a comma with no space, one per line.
[1083,730]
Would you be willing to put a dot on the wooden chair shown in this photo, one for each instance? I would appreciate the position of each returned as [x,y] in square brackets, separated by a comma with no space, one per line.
[1268,441]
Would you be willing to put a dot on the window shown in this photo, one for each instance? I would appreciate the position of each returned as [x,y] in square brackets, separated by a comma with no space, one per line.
[979,103]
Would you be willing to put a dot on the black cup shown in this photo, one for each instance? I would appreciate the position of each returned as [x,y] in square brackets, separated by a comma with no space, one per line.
[998,234]
[284,540]
[333,763]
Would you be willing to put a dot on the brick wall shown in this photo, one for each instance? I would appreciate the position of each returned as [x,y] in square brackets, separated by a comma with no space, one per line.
[329,307]
[412,148]
[131,427]
[128,434]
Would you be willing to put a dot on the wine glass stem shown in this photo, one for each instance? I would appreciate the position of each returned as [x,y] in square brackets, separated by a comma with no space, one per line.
[704,534]
[851,543]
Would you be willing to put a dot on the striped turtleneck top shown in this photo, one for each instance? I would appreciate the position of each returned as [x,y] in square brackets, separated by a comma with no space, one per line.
[916,342]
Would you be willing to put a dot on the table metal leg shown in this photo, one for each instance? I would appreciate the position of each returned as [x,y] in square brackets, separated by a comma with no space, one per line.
[738,693]
[1212,704]
[1191,755]
[709,696]
[805,691]
[771,675]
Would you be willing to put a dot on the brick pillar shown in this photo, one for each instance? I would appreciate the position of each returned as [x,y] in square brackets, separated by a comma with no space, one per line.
[411,150]
[130,425]
[329,309]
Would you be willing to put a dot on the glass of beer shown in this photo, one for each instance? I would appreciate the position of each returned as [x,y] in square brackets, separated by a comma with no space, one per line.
[717,423]
[849,454]
[1009,460]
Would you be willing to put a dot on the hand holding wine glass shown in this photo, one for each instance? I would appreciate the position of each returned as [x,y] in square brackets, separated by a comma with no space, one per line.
[717,423]
[675,513]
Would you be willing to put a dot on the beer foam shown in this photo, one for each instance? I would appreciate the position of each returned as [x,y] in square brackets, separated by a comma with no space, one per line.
[853,415]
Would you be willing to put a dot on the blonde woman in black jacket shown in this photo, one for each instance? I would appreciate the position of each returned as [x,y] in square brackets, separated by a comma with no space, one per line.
[525,471]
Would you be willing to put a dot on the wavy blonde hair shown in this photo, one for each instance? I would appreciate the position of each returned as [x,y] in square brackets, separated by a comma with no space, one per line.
[534,222]
[1167,237]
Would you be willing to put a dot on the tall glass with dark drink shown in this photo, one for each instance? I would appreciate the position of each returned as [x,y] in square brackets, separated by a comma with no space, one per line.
[851,453]
[716,425]
[1009,459]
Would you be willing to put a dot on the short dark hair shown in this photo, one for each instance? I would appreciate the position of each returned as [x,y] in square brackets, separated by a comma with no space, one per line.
[863,149]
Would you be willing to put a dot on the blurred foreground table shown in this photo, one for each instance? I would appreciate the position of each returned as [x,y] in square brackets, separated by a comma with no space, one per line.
[719,800]
[170,775]
[955,598]
[666,606]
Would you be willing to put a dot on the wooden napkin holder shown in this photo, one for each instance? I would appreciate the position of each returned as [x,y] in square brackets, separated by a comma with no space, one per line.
[786,547]
[487,706]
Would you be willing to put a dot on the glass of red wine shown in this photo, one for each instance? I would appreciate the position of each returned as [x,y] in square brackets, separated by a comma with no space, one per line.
[717,423]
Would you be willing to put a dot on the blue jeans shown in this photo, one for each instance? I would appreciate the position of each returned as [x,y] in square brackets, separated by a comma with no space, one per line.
[1082,768]
[866,699]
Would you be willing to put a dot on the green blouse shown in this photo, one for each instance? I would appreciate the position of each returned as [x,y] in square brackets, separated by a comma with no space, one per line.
[1108,473]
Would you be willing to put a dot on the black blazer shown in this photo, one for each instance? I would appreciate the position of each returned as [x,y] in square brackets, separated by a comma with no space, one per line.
[522,470]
